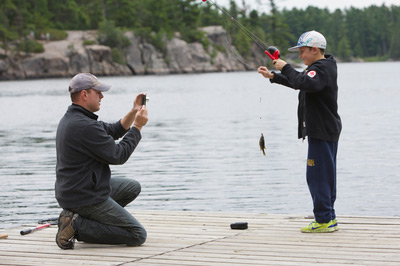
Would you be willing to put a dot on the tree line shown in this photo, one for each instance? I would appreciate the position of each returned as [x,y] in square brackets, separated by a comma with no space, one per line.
[372,32]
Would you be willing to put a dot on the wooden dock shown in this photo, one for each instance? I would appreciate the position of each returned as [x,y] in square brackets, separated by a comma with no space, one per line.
[203,238]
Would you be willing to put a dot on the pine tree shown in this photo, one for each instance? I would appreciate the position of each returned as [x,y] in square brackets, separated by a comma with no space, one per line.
[343,50]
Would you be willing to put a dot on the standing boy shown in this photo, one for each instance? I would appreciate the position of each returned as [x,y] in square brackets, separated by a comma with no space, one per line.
[318,119]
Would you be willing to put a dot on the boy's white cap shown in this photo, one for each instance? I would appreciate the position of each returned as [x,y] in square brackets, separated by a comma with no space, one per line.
[310,39]
[85,81]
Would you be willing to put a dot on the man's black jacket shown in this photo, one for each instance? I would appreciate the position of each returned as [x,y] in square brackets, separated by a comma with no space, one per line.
[85,149]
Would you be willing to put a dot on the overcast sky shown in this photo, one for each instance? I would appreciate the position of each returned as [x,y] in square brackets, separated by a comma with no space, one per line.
[263,5]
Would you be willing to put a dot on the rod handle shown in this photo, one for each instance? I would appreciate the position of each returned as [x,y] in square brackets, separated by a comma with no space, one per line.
[32,229]
[27,231]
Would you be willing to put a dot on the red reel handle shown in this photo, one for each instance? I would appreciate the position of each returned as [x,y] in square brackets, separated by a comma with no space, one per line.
[273,52]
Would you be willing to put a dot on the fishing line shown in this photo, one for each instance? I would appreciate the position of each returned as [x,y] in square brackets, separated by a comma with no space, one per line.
[250,34]
[52,221]
[271,51]
[234,52]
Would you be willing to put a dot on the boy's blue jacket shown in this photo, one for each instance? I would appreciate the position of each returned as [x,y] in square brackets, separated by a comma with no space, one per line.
[318,110]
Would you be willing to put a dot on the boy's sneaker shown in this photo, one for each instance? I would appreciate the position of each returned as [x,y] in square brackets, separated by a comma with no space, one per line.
[65,237]
[335,225]
[315,227]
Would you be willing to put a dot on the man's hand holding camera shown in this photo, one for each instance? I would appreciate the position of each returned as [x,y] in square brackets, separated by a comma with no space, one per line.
[139,106]
[138,115]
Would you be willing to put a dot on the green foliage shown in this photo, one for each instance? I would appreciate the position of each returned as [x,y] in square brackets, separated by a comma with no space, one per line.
[242,44]
[7,35]
[343,50]
[193,36]
[371,32]
[67,14]
[159,41]
[394,50]
[220,48]
[30,46]
[209,16]
[367,32]
[112,36]
[117,56]
[89,42]
[205,42]
[376,58]
[56,35]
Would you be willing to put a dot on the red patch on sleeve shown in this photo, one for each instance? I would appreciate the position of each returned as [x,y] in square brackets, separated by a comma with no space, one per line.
[311,73]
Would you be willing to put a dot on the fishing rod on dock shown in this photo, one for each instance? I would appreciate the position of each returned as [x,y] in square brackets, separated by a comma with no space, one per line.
[33,229]
[43,224]
[271,51]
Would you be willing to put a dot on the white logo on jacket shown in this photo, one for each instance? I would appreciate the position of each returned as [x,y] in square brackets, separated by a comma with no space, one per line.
[311,73]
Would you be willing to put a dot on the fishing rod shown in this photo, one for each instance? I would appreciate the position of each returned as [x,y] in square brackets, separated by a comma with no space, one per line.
[271,51]
[43,224]
[33,229]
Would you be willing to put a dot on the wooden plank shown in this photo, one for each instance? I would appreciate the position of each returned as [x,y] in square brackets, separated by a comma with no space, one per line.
[205,238]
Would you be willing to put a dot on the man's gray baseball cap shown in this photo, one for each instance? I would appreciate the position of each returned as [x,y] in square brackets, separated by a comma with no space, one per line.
[85,81]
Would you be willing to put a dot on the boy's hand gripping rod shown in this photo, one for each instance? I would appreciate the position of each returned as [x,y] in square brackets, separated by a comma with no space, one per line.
[271,51]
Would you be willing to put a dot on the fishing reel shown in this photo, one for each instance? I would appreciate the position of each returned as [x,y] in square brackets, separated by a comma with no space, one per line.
[273,52]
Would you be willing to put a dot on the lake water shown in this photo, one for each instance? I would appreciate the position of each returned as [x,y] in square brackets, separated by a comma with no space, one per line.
[200,149]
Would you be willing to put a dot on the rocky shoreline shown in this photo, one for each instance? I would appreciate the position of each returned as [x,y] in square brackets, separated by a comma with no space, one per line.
[67,57]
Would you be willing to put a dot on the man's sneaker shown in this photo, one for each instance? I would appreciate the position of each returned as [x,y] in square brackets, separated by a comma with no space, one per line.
[335,225]
[315,227]
[65,237]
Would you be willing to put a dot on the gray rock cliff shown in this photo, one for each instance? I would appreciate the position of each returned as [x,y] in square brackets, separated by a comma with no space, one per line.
[70,56]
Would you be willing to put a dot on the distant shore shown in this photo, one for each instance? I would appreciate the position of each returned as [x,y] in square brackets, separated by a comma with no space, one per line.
[67,57]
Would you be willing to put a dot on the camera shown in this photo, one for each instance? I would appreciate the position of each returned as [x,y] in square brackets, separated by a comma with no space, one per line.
[144,99]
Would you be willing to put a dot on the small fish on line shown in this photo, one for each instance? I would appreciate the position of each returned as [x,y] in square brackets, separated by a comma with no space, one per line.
[262,144]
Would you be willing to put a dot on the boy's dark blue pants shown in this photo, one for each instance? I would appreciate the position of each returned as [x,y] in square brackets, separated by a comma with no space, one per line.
[321,178]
